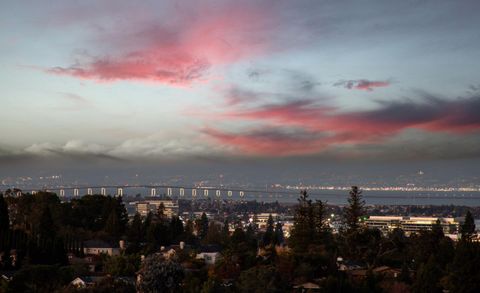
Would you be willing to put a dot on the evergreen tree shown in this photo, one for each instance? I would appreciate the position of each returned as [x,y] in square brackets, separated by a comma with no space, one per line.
[428,278]
[268,237]
[214,234]
[319,218]
[112,226]
[464,275]
[303,228]
[225,233]
[254,222]
[354,211]
[135,229]
[135,233]
[161,212]
[175,229]
[4,218]
[148,221]
[278,238]
[188,236]
[202,226]
[46,227]
[122,214]
[467,229]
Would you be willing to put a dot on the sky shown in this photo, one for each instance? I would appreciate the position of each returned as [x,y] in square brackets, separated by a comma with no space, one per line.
[285,84]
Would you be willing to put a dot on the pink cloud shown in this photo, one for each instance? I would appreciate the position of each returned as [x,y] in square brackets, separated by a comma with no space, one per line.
[266,142]
[327,126]
[179,53]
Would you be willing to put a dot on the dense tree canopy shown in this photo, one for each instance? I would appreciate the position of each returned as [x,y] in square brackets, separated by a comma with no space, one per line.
[253,259]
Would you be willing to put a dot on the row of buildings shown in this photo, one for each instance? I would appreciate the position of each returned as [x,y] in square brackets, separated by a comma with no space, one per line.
[386,224]
[409,225]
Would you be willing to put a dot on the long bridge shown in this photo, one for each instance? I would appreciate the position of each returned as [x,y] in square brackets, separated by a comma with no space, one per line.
[156,190]
[219,192]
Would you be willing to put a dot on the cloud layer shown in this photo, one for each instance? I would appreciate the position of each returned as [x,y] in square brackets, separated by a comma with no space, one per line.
[181,50]
[362,84]
[319,126]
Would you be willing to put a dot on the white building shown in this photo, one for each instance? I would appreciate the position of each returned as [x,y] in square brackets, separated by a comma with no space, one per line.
[171,207]
[210,258]
[412,224]
[97,247]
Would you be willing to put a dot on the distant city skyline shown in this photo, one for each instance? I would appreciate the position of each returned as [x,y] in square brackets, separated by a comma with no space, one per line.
[240,87]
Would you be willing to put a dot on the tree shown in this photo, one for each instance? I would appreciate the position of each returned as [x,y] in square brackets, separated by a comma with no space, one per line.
[214,234]
[278,238]
[46,227]
[188,236]
[175,229]
[161,212]
[261,279]
[202,226]
[464,275]
[354,211]
[428,277]
[159,275]
[40,278]
[468,227]
[225,233]
[122,265]
[303,228]
[135,232]
[112,226]
[268,237]
[4,218]
[319,218]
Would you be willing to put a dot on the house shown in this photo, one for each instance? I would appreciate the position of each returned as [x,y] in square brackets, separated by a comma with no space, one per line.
[387,272]
[210,258]
[92,262]
[85,281]
[307,287]
[349,265]
[7,276]
[174,251]
[210,254]
[97,247]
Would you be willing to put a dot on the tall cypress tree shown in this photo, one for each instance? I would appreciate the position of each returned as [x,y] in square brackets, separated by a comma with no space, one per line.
[467,229]
[269,233]
[202,226]
[135,230]
[319,218]
[354,211]
[278,234]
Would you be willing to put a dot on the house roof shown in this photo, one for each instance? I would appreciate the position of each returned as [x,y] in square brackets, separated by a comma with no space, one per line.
[307,285]
[88,279]
[210,248]
[7,275]
[97,243]
[385,269]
